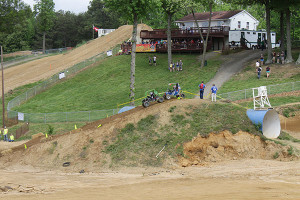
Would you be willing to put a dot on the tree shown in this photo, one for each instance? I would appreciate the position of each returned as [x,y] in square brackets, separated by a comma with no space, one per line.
[210,5]
[102,16]
[131,10]
[170,7]
[15,25]
[44,10]
[286,6]
[282,40]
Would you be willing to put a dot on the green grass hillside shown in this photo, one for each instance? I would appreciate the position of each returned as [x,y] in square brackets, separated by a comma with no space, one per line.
[106,85]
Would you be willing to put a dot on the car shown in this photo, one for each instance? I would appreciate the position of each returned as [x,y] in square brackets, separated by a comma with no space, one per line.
[174,92]
[151,96]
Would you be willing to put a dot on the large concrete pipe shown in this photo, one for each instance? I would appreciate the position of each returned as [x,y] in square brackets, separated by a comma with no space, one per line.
[269,120]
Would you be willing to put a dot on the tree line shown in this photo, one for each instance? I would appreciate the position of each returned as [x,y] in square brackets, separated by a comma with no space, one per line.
[23,28]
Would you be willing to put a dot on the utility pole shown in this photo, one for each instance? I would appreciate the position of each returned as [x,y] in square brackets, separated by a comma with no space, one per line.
[3,108]
[93,31]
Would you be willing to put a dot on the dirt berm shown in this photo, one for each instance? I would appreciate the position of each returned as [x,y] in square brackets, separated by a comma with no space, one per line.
[36,70]
[84,147]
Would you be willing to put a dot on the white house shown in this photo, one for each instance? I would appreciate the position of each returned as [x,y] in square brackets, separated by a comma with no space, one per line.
[240,23]
[235,19]
[102,32]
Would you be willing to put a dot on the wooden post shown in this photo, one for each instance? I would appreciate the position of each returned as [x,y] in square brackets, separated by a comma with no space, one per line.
[3,107]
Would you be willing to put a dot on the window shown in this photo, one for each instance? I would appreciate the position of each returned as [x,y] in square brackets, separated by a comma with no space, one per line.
[254,33]
[248,32]
[247,26]
[239,24]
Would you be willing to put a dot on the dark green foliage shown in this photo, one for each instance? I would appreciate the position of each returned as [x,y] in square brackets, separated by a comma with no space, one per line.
[276,155]
[172,109]
[285,136]
[101,16]
[290,111]
[50,130]
[290,150]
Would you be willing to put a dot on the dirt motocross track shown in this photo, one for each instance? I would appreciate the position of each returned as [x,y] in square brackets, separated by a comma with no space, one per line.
[36,70]
[221,166]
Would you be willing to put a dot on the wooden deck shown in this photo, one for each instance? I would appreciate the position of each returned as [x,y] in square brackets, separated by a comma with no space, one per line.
[189,47]
[220,31]
[182,47]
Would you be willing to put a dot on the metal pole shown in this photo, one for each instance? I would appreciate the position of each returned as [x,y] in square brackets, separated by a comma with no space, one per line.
[93,32]
[3,108]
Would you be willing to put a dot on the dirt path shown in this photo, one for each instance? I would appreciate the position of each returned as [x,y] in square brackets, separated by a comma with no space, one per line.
[248,179]
[17,62]
[234,63]
[40,69]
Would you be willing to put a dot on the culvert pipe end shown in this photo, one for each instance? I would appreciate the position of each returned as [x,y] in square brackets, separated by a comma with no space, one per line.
[269,121]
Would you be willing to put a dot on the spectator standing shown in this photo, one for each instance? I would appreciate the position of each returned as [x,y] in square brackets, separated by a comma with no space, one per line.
[177,66]
[0,134]
[258,72]
[268,70]
[256,65]
[154,60]
[282,57]
[261,60]
[180,65]
[214,93]
[274,57]
[150,61]
[171,67]
[201,87]
[278,58]
[5,132]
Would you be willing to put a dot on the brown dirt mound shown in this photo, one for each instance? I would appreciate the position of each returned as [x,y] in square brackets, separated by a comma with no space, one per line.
[40,69]
[228,146]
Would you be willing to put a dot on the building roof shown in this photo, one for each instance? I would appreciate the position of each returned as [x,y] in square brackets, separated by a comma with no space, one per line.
[215,15]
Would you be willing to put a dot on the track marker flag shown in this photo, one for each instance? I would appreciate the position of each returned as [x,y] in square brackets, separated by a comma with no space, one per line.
[25,146]
[46,135]
[75,127]
[99,125]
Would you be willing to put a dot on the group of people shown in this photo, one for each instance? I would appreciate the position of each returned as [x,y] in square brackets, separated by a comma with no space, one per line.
[4,132]
[177,65]
[152,60]
[213,91]
[259,69]
[279,57]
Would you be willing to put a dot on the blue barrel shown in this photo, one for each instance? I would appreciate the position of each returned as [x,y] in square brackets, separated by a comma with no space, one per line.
[269,121]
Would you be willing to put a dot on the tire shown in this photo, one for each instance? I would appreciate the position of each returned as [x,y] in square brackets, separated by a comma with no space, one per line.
[66,164]
[160,100]
[168,97]
[146,104]
[182,95]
